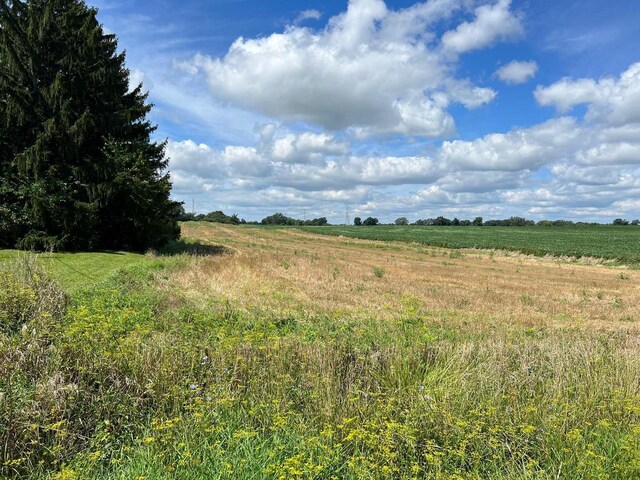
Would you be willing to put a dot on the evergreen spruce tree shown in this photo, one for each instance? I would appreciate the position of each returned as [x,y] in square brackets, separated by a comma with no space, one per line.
[78,168]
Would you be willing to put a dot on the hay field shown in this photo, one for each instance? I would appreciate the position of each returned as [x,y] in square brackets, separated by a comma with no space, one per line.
[288,268]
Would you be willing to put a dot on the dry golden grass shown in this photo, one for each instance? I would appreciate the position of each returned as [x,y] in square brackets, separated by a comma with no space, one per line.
[282,269]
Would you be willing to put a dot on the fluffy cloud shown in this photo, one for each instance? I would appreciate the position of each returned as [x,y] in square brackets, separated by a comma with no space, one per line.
[481,182]
[319,167]
[357,171]
[517,72]
[306,148]
[491,23]
[519,149]
[562,167]
[432,195]
[610,134]
[189,159]
[306,162]
[372,69]
[621,153]
[465,93]
[321,95]
[567,93]
[610,100]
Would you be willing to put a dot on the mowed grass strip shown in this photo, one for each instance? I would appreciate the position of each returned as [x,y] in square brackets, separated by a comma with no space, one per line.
[77,270]
[607,242]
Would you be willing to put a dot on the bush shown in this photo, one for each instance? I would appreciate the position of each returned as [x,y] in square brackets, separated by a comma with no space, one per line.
[40,242]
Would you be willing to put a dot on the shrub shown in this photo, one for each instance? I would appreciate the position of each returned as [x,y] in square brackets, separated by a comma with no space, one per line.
[39,242]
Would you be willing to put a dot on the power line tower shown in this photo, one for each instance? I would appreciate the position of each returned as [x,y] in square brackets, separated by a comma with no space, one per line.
[347,218]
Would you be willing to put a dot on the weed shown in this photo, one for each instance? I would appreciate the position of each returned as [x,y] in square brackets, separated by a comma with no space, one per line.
[335,273]
[526,299]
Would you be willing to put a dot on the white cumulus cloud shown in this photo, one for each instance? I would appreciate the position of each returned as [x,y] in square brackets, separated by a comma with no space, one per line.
[306,148]
[517,72]
[371,69]
[318,94]
[610,100]
[519,149]
[491,23]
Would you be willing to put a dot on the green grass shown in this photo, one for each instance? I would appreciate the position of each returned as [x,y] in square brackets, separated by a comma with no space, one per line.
[78,270]
[136,379]
[608,242]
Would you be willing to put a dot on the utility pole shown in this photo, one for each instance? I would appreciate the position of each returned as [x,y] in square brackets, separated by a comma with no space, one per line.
[193,205]
[347,219]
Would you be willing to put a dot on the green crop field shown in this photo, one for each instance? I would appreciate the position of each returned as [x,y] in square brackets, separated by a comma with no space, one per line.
[609,242]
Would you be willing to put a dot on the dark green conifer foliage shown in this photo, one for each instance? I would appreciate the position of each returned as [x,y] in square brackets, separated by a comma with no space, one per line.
[78,169]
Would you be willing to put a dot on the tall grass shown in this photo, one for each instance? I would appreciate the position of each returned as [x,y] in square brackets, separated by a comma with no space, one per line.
[135,379]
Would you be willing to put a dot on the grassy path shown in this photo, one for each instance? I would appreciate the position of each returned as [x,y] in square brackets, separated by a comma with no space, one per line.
[77,270]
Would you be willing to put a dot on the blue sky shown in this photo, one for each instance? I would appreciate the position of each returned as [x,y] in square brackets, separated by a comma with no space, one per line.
[396,108]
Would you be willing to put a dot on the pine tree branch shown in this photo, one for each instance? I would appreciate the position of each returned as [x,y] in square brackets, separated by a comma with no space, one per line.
[9,17]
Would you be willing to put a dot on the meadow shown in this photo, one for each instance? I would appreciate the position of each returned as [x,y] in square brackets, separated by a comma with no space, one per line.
[281,354]
[605,241]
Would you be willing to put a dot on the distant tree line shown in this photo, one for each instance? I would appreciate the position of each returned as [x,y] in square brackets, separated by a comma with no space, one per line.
[219,216]
[623,222]
[276,219]
[445,222]
[480,222]
[280,219]
[367,222]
